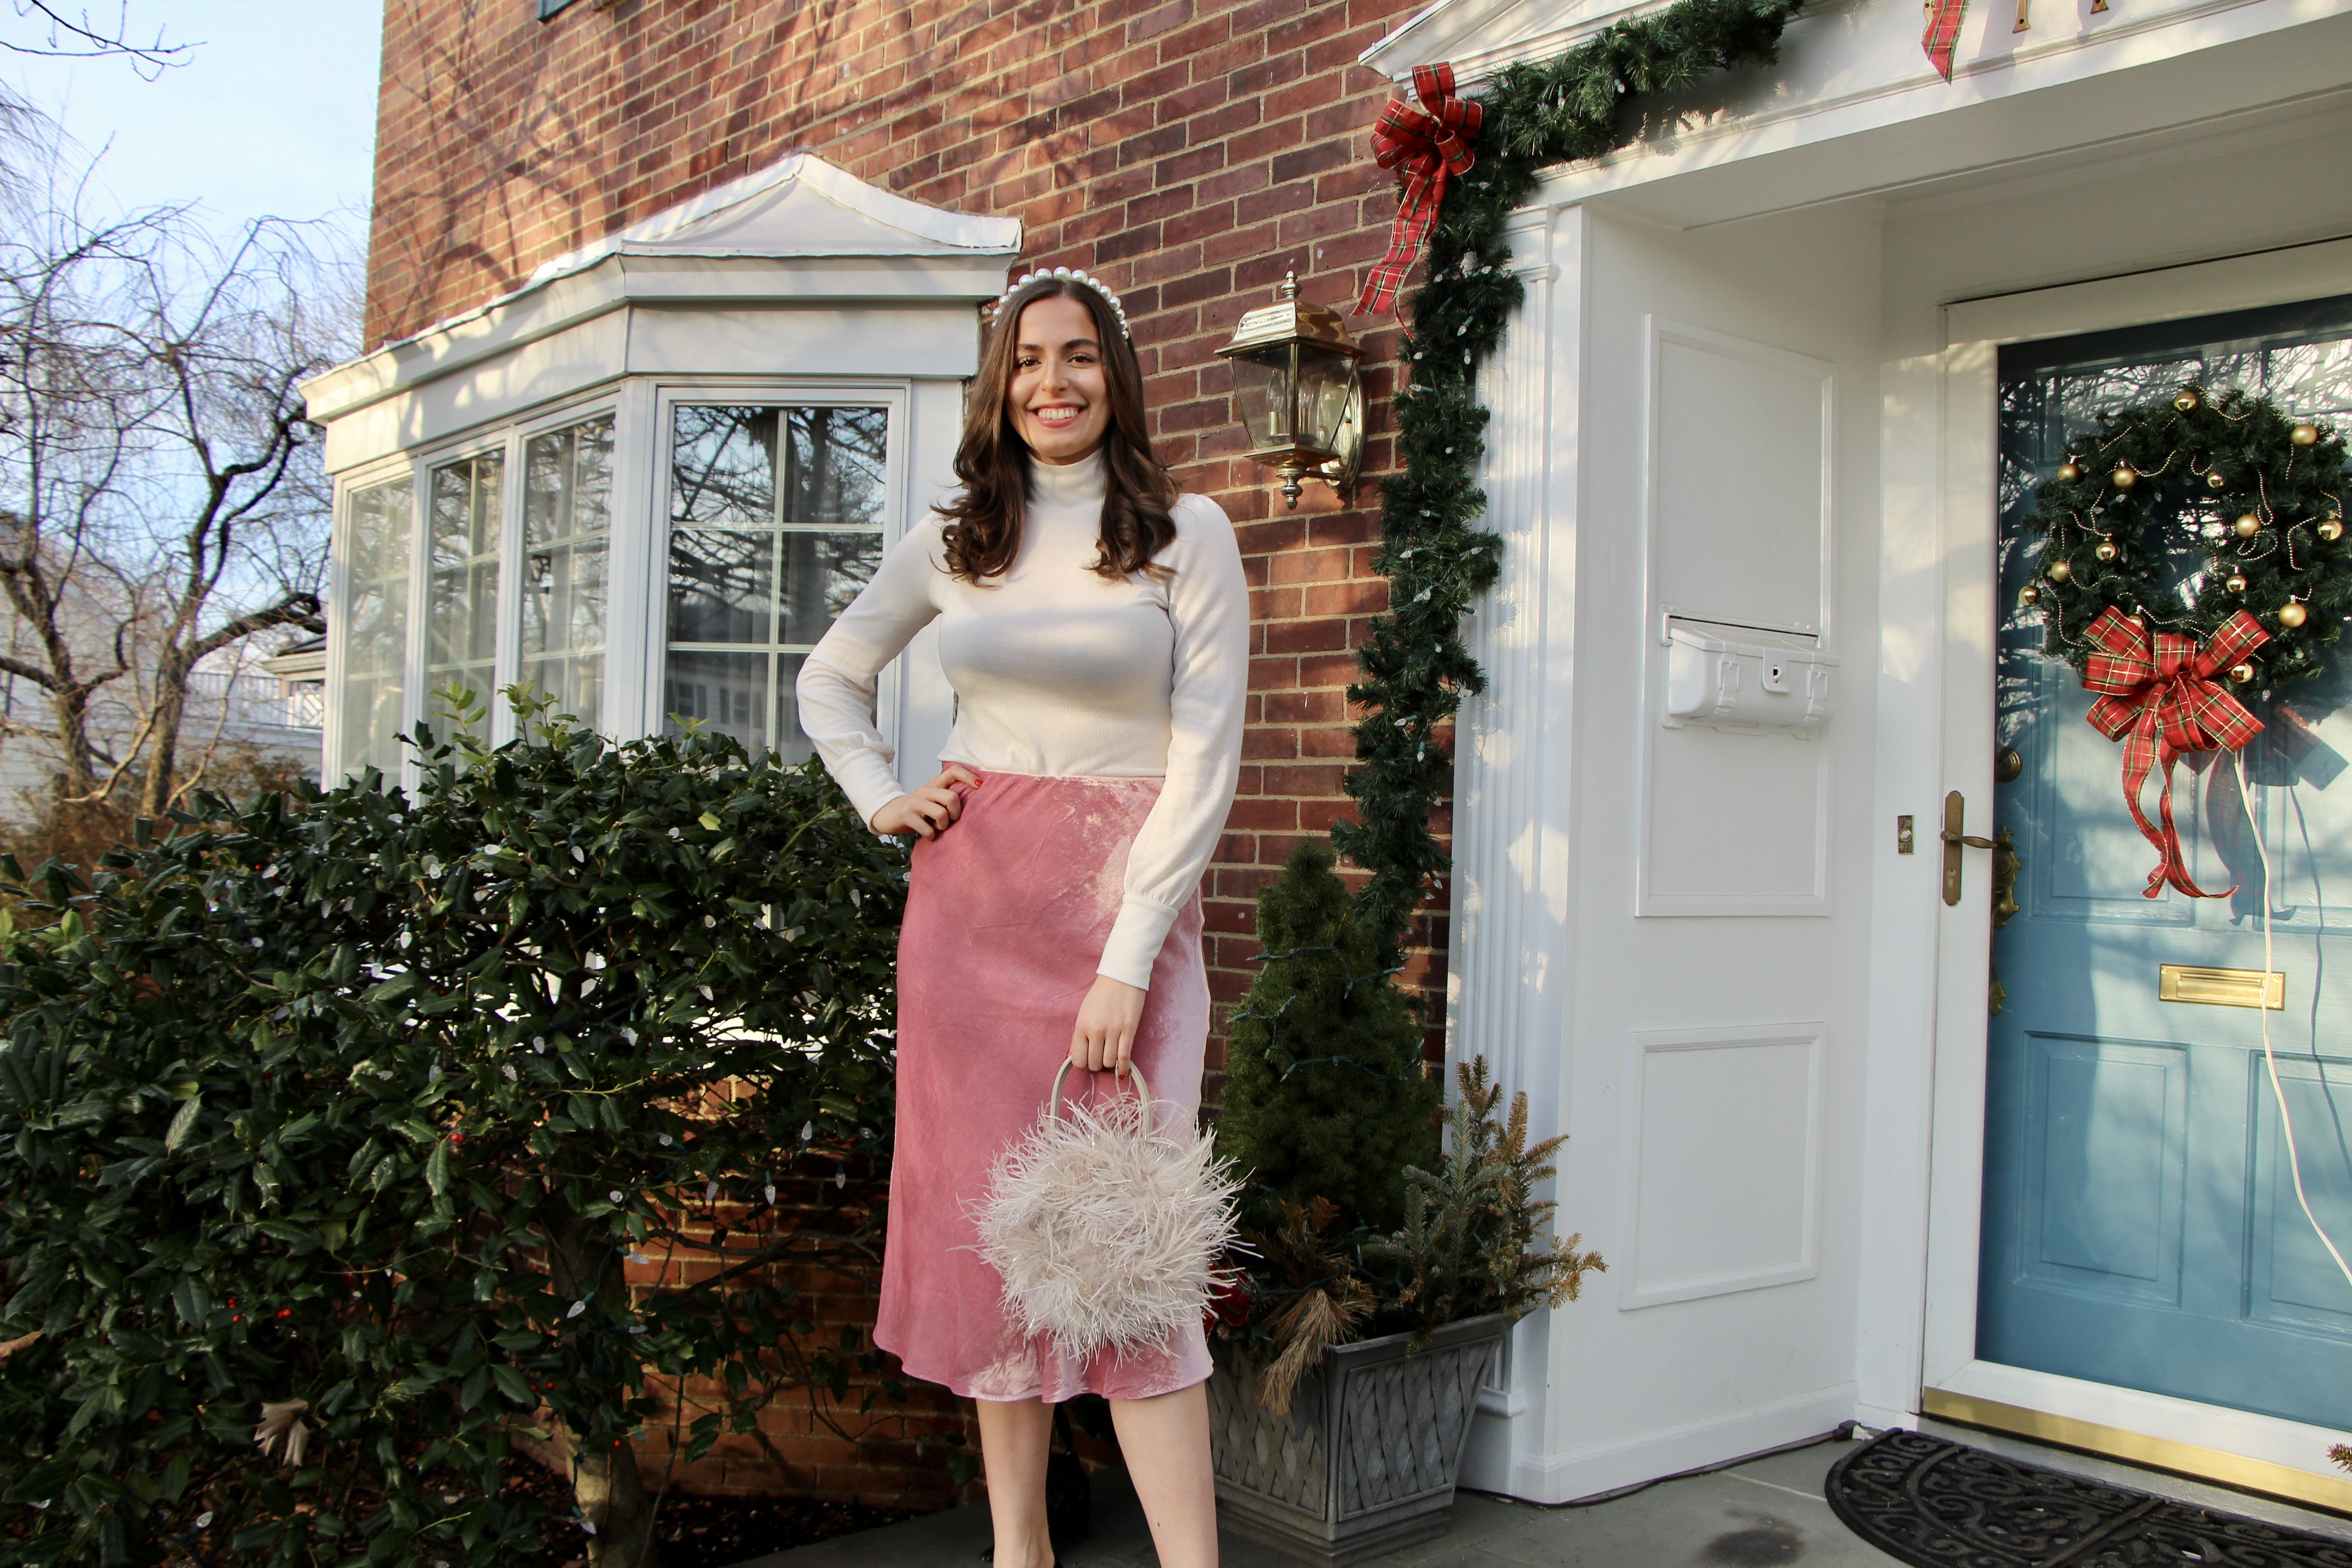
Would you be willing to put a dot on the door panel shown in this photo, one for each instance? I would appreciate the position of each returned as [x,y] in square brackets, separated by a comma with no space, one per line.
[2293,1282]
[2140,1223]
[2105,1143]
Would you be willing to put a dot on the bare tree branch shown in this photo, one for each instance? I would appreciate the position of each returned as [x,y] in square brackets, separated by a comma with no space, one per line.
[162,497]
[84,40]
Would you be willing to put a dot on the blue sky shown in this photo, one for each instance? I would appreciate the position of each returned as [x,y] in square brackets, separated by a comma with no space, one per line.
[274,114]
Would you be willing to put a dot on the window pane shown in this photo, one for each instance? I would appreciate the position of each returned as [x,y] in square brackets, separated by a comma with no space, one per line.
[725,692]
[790,743]
[721,586]
[375,628]
[461,596]
[723,467]
[836,467]
[566,523]
[823,571]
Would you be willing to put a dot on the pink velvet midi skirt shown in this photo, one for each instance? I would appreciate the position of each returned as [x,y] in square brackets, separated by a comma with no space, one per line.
[1006,918]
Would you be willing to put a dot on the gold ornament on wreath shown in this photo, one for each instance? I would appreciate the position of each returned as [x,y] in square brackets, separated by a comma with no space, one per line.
[2184,512]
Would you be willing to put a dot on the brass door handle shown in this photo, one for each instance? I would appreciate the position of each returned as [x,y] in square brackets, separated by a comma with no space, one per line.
[1955,815]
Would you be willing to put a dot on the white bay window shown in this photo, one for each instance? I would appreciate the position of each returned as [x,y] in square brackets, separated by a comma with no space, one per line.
[644,484]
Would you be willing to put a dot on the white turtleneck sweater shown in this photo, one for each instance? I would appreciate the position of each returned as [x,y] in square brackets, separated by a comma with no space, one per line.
[1061,672]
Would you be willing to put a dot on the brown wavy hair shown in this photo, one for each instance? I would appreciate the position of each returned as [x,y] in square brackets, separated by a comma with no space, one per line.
[983,522]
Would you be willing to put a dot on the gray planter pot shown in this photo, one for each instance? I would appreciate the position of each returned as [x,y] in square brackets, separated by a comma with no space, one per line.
[1365,1461]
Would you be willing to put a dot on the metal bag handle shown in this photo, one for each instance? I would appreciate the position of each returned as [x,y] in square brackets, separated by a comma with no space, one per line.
[1142,1091]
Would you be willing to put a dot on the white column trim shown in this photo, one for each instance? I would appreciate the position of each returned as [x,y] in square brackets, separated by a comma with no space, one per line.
[1508,964]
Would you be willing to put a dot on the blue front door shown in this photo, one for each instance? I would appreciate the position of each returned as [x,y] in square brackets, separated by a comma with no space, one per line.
[2141,1226]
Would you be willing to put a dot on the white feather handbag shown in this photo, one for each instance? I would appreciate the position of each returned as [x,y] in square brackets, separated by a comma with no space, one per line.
[1108,1233]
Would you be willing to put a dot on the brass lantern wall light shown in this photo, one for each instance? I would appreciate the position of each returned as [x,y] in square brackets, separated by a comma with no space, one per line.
[1296,391]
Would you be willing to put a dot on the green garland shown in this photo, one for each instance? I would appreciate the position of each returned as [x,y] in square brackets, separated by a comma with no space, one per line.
[2258,495]
[1435,554]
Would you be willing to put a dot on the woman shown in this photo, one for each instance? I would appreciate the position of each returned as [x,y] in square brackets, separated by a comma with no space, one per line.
[1094,624]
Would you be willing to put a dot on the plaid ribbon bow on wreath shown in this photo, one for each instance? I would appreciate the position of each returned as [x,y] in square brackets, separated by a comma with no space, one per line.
[2159,696]
[1424,149]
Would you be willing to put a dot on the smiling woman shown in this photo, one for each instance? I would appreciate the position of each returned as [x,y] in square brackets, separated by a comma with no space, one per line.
[1093,624]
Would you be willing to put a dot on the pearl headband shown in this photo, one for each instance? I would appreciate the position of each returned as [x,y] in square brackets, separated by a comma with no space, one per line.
[1093,283]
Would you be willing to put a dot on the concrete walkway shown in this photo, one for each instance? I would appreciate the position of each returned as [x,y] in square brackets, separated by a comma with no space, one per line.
[1760,1514]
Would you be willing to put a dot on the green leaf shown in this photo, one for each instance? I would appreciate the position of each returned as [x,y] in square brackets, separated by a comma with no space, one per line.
[437,1169]
[511,1384]
[183,1120]
[193,1299]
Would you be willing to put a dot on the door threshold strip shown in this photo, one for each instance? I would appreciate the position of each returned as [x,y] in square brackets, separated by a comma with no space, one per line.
[2236,1471]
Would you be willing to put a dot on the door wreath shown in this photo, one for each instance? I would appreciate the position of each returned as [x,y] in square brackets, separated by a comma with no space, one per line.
[2193,562]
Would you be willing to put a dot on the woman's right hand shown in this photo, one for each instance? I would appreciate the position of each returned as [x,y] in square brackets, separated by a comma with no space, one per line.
[929,810]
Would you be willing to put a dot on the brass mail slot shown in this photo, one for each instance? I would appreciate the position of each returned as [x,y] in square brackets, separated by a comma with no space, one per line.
[2222,987]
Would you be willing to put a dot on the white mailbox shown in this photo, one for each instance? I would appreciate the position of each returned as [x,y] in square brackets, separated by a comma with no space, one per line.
[1747,680]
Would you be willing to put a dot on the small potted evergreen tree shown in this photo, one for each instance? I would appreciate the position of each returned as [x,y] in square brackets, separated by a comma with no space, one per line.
[1386,1264]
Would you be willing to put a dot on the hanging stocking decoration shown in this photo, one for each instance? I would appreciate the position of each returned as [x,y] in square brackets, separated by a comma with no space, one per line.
[2158,695]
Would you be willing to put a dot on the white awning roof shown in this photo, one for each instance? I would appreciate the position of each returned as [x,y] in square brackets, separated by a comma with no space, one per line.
[799,232]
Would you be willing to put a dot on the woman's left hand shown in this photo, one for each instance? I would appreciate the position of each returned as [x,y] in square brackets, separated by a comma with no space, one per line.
[1104,1040]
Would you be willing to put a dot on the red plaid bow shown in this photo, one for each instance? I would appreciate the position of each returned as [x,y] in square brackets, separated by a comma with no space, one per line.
[2161,691]
[1424,149]
[1943,34]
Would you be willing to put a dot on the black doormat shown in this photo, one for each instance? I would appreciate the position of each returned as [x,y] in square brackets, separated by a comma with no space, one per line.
[1943,1505]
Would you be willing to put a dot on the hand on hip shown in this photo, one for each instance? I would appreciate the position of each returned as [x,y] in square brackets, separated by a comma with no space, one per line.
[929,810]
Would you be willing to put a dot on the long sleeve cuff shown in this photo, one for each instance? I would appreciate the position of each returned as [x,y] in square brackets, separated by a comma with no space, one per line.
[1135,938]
[867,779]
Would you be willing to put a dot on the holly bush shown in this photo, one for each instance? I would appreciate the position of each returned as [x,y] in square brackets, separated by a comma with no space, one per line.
[345,1116]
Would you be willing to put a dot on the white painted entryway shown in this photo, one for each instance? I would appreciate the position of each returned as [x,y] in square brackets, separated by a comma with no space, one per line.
[1756,361]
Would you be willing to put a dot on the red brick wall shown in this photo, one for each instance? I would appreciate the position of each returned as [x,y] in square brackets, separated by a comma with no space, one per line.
[860,1446]
[1187,151]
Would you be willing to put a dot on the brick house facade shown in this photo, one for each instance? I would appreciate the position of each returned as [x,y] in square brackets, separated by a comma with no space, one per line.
[1187,151]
